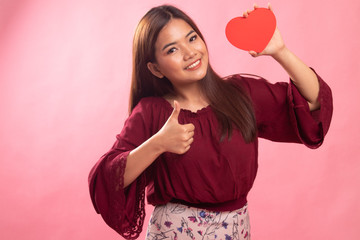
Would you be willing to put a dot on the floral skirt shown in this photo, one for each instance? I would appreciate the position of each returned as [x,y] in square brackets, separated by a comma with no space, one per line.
[176,222]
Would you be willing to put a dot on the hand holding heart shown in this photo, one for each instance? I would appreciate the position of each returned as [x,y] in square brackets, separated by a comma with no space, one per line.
[256,32]
[275,46]
[176,137]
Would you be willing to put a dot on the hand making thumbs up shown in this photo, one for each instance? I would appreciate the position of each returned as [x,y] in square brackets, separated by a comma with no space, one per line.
[176,137]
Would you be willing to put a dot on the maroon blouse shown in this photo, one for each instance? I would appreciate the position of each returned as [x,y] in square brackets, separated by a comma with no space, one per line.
[213,175]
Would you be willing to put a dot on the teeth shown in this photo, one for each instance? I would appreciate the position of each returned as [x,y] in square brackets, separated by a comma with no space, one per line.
[194,64]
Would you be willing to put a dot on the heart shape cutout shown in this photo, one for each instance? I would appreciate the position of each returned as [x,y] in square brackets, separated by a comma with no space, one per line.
[253,32]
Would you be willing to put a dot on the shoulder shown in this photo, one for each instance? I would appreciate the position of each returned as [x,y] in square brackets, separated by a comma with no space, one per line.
[245,81]
[146,111]
[150,114]
[149,102]
[151,106]
[253,83]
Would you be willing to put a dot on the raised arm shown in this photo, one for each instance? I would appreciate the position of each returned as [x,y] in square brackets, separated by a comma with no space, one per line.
[302,76]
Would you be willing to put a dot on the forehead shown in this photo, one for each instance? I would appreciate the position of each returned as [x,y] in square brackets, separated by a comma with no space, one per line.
[173,31]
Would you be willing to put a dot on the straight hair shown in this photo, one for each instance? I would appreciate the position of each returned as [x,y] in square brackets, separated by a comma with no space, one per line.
[231,105]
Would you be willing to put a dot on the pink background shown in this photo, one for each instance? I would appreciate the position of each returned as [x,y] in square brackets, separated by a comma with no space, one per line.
[65,68]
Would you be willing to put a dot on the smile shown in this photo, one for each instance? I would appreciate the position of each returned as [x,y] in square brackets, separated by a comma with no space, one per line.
[194,65]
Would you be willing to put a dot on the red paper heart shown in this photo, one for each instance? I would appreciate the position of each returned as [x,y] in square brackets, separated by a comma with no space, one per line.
[253,32]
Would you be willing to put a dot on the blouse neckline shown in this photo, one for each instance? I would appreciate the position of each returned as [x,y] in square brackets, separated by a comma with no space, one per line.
[188,112]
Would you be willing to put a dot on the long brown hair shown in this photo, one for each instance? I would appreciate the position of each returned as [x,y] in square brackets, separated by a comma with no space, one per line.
[231,104]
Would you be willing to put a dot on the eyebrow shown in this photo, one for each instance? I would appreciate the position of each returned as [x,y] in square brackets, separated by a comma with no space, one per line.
[172,43]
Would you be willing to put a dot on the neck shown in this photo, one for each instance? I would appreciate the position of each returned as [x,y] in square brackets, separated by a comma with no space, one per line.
[189,97]
[188,93]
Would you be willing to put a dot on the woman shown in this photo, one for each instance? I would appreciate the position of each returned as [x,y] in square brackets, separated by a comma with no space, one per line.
[191,137]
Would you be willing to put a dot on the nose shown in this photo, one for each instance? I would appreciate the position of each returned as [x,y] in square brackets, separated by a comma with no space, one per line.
[189,53]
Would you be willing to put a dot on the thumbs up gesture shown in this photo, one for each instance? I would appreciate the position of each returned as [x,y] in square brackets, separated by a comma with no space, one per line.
[176,137]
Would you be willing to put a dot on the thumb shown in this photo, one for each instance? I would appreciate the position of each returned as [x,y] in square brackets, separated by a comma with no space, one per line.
[253,53]
[176,111]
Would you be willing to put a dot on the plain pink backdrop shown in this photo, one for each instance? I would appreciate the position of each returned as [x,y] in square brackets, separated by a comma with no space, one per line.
[65,68]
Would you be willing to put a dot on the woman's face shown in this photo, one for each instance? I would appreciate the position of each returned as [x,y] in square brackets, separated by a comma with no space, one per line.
[181,55]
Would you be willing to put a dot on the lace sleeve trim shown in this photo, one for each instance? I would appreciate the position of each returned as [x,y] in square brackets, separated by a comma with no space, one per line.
[133,228]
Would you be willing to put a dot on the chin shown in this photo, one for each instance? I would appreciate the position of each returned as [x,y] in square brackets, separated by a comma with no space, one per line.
[200,77]
[205,71]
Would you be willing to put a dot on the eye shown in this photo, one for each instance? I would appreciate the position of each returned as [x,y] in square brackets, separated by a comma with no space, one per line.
[193,38]
[171,50]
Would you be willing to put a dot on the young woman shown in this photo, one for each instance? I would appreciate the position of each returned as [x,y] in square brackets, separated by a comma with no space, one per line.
[191,137]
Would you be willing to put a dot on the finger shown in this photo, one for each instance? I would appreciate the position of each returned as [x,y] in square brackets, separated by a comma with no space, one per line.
[191,134]
[270,7]
[190,141]
[189,127]
[187,149]
[255,6]
[245,14]
[253,53]
[175,113]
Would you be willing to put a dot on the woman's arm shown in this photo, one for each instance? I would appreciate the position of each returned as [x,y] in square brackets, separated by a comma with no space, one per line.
[172,137]
[140,158]
[302,76]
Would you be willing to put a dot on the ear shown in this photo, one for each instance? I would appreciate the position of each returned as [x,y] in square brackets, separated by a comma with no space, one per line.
[154,69]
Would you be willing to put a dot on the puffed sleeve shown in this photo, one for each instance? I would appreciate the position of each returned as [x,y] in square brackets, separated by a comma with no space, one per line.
[123,209]
[283,114]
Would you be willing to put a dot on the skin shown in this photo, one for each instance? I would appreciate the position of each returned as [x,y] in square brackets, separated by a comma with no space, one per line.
[301,75]
[176,48]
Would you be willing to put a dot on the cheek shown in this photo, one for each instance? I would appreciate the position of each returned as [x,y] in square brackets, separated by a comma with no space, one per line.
[201,46]
[169,64]
[205,50]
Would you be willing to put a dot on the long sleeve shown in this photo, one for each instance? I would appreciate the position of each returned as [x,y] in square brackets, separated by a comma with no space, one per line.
[283,114]
[311,126]
[122,209]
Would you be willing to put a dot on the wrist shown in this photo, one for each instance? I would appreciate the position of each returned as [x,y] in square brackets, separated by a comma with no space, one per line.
[281,54]
[157,143]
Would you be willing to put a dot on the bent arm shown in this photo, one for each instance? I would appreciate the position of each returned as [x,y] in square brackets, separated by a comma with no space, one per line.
[140,158]
[172,137]
[302,76]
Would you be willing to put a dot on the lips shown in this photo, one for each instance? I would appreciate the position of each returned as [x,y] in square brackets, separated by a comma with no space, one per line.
[195,65]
